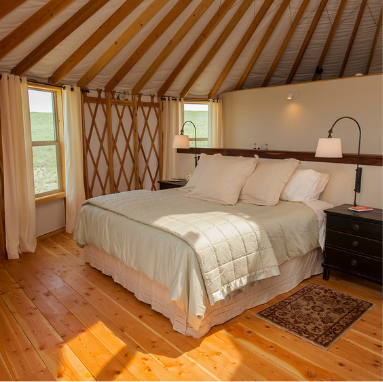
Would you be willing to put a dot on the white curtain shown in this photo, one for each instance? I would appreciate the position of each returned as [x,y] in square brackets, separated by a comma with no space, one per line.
[172,120]
[19,189]
[215,123]
[74,177]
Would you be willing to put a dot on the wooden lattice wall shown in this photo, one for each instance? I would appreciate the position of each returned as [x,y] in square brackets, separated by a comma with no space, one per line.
[122,144]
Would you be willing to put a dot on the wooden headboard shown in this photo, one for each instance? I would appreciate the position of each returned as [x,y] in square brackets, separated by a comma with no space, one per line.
[365,159]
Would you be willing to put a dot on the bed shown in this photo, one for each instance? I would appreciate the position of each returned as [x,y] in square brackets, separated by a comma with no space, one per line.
[151,242]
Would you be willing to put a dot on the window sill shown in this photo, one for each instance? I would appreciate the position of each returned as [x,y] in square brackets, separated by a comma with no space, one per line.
[50,198]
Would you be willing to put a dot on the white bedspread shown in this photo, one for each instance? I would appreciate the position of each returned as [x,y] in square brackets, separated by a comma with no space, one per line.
[172,262]
[232,251]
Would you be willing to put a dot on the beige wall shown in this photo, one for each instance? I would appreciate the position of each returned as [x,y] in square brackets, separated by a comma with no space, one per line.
[264,115]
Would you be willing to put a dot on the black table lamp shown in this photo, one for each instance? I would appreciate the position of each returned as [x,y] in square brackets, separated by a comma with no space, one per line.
[182,141]
[331,148]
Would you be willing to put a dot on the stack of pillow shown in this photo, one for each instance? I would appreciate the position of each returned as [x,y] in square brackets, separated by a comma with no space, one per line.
[226,180]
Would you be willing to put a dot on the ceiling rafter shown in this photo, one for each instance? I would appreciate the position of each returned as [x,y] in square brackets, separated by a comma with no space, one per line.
[286,41]
[245,39]
[113,21]
[7,6]
[274,22]
[156,33]
[176,39]
[306,41]
[217,45]
[69,26]
[214,21]
[330,37]
[31,25]
[137,25]
[353,35]
[378,28]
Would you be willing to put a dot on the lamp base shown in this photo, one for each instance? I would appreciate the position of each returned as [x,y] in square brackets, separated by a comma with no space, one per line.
[358,181]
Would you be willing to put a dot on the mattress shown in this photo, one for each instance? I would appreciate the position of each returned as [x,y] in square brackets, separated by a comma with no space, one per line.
[151,292]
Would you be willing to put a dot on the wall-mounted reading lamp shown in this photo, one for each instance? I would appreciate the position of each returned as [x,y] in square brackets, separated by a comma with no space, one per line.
[332,148]
[182,141]
[292,96]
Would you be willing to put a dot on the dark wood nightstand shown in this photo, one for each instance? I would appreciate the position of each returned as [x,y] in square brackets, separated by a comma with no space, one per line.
[354,243]
[165,184]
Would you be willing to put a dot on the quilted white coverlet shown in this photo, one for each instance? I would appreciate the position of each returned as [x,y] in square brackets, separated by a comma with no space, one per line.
[232,250]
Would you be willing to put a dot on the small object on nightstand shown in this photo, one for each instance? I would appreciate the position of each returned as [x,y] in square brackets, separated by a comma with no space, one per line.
[354,243]
[188,176]
[176,183]
[360,208]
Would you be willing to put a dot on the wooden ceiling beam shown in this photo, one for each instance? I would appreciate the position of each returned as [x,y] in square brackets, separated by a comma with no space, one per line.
[374,43]
[157,32]
[113,21]
[69,26]
[137,25]
[31,25]
[214,21]
[352,38]
[217,45]
[286,41]
[189,23]
[330,37]
[274,22]
[7,6]
[245,39]
[306,41]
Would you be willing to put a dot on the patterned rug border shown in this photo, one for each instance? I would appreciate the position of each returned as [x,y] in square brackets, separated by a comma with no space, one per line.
[306,339]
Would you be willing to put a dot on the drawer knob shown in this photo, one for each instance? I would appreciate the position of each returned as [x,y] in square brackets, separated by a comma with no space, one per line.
[356,227]
[354,263]
[355,243]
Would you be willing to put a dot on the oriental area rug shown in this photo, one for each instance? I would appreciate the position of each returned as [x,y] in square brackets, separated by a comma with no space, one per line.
[316,314]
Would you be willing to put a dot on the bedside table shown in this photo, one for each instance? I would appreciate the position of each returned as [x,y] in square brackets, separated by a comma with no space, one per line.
[354,243]
[165,184]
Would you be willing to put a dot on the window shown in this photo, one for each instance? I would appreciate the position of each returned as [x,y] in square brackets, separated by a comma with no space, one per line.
[46,132]
[198,113]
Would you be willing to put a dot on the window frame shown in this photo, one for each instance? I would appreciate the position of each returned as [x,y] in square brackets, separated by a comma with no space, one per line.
[58,193]
[192,139]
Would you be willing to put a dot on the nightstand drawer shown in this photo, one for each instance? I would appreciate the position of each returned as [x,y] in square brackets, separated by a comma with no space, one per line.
[354,243]
[356,227]
[353,263]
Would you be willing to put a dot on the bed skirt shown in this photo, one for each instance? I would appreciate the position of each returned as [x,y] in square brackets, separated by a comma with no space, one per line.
[292,273]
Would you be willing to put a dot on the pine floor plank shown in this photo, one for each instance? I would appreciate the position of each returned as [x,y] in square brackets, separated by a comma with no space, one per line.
[56,354]
[44,375]
[17,351]
[66,320]
[140,362]
[298,365]
[95,357]
[364,341]
[5,374]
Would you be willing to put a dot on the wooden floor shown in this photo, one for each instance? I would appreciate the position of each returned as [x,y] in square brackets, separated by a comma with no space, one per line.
[60,319]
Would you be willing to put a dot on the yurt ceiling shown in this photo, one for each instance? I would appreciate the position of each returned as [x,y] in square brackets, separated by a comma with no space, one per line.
[189,48]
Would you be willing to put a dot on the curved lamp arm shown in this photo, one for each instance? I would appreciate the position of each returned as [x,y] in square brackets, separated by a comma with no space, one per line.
[195,141]
[358,176]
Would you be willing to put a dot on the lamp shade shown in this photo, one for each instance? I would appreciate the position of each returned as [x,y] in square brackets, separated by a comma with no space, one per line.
[181,142]
[329,148]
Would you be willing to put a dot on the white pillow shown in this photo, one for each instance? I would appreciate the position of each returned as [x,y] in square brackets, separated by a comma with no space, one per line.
[266,183]
[199,170]
[323,180]
[301,186]
[223,179]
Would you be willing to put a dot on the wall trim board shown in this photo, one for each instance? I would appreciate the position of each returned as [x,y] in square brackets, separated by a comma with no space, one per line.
[308,156]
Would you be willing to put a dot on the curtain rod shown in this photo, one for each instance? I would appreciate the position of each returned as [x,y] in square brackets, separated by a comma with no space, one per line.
[45,84]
